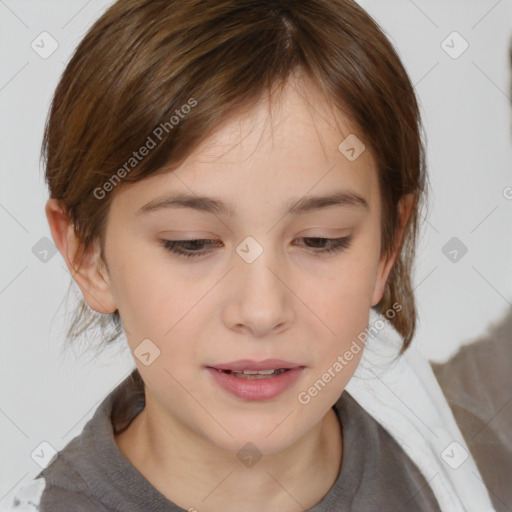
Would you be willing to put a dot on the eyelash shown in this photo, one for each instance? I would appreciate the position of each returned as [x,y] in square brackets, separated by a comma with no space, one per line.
[177,246]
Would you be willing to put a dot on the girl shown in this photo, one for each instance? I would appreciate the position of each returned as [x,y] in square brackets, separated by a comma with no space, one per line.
[237,185]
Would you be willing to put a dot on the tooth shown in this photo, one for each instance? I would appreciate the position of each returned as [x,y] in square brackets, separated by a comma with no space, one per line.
[252,377]
[255,372]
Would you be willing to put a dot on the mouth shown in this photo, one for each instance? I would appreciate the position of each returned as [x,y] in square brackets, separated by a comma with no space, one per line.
[256,380]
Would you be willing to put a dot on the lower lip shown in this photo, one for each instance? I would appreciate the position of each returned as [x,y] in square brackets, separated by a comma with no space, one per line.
[256,389]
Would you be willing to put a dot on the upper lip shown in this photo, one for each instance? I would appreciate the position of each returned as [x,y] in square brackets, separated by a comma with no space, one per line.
[250,364]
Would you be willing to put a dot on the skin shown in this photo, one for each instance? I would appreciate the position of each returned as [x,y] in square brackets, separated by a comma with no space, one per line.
[292,303]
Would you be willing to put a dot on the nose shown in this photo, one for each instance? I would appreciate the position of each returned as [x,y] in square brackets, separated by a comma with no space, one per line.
[260,302]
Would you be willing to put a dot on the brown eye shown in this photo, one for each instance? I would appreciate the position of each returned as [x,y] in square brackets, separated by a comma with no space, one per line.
[326,245]
[188,248]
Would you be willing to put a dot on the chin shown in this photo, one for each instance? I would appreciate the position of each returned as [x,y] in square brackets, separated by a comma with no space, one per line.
[266,437]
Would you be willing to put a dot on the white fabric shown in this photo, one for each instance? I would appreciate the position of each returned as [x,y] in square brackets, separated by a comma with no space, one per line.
[28,496]
[403,395]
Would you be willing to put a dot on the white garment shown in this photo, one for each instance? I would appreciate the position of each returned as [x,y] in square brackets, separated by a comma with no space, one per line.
[403,395]
[28,496]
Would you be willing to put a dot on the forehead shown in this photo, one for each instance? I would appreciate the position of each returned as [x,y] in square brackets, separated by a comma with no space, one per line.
[299,121]
[282,147]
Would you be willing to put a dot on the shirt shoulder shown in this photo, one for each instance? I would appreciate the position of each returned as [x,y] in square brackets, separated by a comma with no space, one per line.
[86,475]
[90,474]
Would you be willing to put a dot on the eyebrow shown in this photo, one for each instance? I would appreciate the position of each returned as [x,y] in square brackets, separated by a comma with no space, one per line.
[296,206]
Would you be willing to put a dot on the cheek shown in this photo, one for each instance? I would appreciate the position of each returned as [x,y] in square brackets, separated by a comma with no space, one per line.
[343,295]
[148,293]
[343,300]
[158,301]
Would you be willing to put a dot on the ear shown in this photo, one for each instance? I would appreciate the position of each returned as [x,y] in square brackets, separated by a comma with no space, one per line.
[386,263]
[92,275]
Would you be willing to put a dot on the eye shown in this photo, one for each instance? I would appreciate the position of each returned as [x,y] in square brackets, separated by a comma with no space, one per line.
[188,248]
[333,244]
[193,248]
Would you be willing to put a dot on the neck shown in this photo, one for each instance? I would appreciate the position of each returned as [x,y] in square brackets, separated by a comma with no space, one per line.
[193,473]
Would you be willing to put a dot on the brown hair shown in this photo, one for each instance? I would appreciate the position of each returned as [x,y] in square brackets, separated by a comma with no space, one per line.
[143,61]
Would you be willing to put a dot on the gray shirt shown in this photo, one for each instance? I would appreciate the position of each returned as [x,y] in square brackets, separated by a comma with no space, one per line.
[91,474]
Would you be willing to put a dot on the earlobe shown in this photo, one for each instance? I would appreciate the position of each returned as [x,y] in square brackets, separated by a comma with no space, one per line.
[90,274]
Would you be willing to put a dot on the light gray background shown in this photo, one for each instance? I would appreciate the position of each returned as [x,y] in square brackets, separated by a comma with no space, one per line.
[48,394]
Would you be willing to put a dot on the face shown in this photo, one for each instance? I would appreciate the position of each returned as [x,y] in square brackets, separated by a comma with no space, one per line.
[259,271]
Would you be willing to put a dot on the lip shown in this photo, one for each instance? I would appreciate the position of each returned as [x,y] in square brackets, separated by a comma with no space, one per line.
[256,389]
[251,364]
